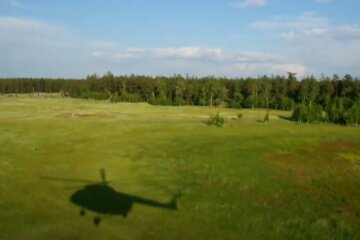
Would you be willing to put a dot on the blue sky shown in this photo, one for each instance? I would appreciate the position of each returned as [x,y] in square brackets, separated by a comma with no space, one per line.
[76,38]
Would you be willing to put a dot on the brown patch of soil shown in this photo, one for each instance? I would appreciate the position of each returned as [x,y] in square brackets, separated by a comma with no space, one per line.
[81,115]
[320,172]
[324,155]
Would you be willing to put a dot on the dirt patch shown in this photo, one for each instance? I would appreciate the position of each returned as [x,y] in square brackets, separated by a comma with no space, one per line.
[329,174]
[85,114]
[82,115]
[325,155]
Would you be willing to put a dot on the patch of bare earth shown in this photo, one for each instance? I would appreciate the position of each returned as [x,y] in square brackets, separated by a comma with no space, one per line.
[329,174]
[81,115]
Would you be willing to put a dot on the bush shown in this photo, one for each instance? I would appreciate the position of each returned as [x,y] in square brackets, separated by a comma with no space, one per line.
[352,115]
[95,95]
[129,97]
[310,114]
[216,120]
[300,113]
[115,98]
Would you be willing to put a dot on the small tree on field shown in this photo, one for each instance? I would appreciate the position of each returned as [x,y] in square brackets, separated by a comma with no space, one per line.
[216,120]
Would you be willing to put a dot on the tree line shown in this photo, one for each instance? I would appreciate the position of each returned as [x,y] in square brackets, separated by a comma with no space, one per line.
[335,99]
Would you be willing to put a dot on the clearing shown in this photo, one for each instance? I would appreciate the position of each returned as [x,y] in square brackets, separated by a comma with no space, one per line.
[173,176]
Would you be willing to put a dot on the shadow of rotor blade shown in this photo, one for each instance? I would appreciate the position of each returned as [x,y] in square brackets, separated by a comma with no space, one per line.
[67,179]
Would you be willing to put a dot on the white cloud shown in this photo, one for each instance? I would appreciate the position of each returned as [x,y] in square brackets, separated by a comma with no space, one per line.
[109,56]
[14,22]
[306,44]
[259,63]
[315,41]
[342,33]
[250,3]
[15,30]
[190,53]
[208,61]
[37,48]
[52,51]
[304,21]
[284,68]
[288,36]
[306,25]
[252,56]
[254,69]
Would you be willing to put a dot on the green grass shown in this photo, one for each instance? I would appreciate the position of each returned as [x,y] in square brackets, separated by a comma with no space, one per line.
[246,180]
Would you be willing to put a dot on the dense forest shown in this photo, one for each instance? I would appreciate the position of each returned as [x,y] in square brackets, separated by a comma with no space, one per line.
[335,99]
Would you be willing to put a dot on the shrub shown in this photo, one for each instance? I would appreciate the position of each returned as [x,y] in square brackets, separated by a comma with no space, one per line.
[216,120]
[95,95]
[314,114]
[300,113]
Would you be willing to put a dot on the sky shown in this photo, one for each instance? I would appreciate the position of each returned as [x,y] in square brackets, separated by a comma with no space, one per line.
[230,38]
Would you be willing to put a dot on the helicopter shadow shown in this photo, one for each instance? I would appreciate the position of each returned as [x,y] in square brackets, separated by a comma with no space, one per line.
[102,199]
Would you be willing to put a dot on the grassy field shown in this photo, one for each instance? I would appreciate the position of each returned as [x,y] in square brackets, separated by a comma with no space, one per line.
[246,180]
